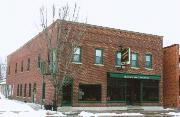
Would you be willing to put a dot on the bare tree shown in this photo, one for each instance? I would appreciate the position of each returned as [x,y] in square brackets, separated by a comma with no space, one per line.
[68,36]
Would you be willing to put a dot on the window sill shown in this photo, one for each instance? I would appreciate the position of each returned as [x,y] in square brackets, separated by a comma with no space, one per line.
[135,68]
[99,64]
[76,62]
[149,69]
[117,66]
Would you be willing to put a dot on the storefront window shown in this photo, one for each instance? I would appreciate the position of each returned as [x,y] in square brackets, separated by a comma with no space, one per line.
[89,92]
[150,90]
[116,90]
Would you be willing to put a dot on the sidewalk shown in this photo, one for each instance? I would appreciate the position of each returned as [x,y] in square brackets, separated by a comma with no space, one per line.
[145,111]
[122,108]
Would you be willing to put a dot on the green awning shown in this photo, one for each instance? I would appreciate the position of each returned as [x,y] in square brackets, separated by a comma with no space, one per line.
[133,76]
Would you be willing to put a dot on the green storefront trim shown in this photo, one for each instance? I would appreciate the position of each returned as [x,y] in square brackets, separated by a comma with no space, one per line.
[133,76]
[116,101]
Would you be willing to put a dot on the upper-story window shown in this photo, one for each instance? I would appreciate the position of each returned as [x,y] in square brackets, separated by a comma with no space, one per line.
[134,60]
[9,70]
[16,68]
[77,55]
[148,61]
[99,56]
[22,66]
[118,58]
[28,64]
[39,60]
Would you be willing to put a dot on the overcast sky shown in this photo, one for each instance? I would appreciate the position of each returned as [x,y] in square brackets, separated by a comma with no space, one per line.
[20,19]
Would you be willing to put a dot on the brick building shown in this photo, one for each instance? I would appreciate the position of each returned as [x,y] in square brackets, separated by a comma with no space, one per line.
[102,81]
[171,76]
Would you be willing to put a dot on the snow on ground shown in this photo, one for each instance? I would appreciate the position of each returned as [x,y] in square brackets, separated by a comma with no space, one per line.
[88,114]
[14,108]
[176,114]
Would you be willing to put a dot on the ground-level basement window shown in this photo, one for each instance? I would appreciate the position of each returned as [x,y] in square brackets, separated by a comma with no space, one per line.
[89,92]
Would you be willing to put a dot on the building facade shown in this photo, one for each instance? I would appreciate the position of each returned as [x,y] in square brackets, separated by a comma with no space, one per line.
[100,80]
[171,70]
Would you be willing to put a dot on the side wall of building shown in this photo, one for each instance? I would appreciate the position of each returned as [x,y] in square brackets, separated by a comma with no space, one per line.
[171,76]
[31,50]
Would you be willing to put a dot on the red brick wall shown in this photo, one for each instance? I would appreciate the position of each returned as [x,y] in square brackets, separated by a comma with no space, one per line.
[171,76]
[30,50]
[109,40]
[95,37]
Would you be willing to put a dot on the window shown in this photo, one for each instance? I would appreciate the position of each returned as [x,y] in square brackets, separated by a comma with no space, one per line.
[118,58]
[39,60]
[116,90]
[29,89]
[77,55]
[89,92]
[25,90]
[150,90]
[22,66]
[28,64]
[20,89]
[134,60]
[43,90]
[99,56]
[9,70]
[16,68]
[148,61]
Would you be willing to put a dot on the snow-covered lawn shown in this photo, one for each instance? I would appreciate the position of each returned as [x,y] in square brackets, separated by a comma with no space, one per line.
[13,108]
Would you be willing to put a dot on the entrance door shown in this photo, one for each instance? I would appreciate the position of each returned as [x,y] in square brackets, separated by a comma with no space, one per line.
[67,95]
[133,92]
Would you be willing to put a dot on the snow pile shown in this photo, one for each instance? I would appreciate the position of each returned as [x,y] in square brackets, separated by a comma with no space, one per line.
[11,105]
[168,109]
[2,96]
[174,114]
[54,113]
[14,108]
[87,114]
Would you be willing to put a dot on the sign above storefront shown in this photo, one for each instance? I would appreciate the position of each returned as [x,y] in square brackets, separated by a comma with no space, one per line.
[133,76]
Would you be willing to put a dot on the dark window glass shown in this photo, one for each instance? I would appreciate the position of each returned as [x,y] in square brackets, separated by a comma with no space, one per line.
[39,60]
[16,68]
[22,66]
[89,92]
[25,90]
[20,89]
[150,91]
[9,70]
[44,90]
[116,90]
[28,64]
[30,90]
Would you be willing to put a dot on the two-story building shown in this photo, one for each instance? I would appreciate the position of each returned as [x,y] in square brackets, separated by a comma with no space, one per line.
[101,79]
